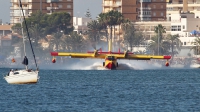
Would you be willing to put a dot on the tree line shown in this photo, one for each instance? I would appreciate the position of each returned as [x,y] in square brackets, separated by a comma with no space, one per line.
[62,38]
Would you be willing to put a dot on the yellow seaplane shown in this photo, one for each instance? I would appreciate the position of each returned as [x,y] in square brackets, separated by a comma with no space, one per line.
[110,57]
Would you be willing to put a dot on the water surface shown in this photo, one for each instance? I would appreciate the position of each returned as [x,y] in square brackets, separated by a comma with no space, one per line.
[154,90]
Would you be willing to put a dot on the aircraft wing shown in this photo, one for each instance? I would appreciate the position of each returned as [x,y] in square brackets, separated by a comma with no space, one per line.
[79,55]
[141,57]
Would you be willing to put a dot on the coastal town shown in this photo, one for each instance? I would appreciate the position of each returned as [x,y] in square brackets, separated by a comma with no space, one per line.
[133,56]
[150,27]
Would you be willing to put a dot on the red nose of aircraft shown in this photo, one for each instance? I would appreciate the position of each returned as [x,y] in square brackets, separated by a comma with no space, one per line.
[110,65]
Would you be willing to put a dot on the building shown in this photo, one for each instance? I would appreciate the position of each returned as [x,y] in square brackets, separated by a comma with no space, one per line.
[138,10]
[174,6]
[184,24]
[46,6]
[147,28]
[6,40]
[80,24]
[5,29]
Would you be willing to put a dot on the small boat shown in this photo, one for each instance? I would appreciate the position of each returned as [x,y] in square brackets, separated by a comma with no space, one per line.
[24,76]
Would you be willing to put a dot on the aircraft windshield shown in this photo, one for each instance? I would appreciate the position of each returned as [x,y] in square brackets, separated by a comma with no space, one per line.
[111,58]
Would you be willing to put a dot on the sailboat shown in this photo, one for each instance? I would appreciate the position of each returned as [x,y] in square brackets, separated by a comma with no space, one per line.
[23,76]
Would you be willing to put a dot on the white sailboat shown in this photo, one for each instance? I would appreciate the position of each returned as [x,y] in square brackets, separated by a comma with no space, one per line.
[24,76]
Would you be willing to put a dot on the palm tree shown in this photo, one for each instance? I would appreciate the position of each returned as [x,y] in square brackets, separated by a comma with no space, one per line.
[17,28]
[163,45]
[197,47]
[175,43]
[95,31]
[56,40]
[75,42]
[103,21]
[129,34]
[111,17]
[159,30]
[36,33]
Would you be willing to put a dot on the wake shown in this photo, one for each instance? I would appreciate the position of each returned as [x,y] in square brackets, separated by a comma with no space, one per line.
[88,64]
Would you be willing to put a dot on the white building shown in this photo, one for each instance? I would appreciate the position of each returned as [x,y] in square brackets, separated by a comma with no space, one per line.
[183,24]
[174,6]
[80,24]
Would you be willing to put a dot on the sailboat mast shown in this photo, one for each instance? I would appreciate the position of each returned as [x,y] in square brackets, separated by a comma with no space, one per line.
[23,34]
[28,35]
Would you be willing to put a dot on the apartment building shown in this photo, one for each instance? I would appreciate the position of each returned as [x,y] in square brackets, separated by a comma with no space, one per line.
[46,6]
[138,10]
[80,24]
[176,6]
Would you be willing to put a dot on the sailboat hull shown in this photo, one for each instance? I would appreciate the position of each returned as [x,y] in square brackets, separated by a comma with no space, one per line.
[22,77]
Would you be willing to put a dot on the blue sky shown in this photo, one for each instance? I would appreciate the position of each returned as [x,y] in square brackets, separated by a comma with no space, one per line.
[80,7]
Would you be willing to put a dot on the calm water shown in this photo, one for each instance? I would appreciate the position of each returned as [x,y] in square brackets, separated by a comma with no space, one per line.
[163,90]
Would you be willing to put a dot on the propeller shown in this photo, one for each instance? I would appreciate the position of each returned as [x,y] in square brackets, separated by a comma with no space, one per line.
[125,51]
[95,48]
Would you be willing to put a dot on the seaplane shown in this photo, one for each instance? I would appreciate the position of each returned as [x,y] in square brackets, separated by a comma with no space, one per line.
[110,57]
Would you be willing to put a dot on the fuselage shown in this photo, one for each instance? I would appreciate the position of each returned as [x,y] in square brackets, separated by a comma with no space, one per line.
[110,63]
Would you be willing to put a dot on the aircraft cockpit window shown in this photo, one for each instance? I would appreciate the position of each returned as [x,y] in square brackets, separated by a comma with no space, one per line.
[111,58]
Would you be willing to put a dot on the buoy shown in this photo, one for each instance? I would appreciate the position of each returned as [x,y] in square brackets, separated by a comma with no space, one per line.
[167,64]
[13,60]
[53,60]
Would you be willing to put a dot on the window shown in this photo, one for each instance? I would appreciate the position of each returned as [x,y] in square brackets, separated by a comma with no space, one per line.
[69,13]
[183,26]
[154,14]
[179,28]
[174,28]
[161,14]
[69,6]
[68,0]
[16,73]
[60,6]
[111,58]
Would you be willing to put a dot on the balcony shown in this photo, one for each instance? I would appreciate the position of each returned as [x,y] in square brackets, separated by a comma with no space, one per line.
[50,1]
[144,16]
[175,5]
[18,8]
[14,8]
[144,1]
[107,5]
[196,4]
[112,4]
[22,1]
[52,8]
[116,5]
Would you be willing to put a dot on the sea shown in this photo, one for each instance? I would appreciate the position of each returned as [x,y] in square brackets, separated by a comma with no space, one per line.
[100,90]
